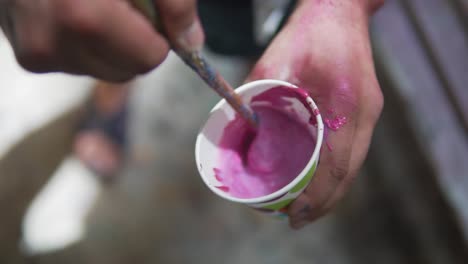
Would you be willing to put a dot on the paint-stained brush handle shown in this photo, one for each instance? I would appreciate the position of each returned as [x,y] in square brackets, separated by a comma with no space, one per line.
[219,84]
[195,60]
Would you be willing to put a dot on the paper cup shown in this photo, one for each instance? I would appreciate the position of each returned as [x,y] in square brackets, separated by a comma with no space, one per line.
[207,149]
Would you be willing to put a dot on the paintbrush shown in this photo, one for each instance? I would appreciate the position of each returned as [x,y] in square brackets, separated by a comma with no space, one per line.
[195,60]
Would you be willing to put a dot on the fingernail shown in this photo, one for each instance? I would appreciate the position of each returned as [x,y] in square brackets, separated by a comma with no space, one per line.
[192,38]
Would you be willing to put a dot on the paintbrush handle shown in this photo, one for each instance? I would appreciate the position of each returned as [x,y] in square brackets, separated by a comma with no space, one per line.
[195,61]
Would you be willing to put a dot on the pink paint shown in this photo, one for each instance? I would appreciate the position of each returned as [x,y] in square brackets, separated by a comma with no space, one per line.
[217,174]
[277,97]
[335,123]
[257,163]
[223,188]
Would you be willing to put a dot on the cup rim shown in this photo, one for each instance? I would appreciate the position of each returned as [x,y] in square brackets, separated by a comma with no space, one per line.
[314,158]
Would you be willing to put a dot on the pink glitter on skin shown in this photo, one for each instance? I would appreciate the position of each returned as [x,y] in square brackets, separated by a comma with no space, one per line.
[257,163]
[335,123]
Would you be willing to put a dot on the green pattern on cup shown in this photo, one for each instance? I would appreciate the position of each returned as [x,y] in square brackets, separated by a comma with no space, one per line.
[278,205]
[304,180]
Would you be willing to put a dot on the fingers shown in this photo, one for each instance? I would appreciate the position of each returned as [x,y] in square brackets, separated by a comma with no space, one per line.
[333,170]
[181,23]
[126,39]
[116,37]
[340,165]
[86,61]
[107,39]
[304,211]
[368,117]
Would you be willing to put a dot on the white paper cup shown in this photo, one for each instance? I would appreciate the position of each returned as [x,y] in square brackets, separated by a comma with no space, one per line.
[207,149]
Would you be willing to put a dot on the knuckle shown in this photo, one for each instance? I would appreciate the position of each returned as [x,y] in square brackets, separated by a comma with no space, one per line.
[346,184]
[76,17]
[144,67]
[338,174]
[32,64]
[374,103]
[261,71]
[35,55]
[345,92]
[302,207]
[378,101]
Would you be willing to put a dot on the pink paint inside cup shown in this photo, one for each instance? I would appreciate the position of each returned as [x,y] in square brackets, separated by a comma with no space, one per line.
[255,163]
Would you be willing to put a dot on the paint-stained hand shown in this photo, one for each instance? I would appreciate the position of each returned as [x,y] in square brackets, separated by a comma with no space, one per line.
[325,48]
[108,39]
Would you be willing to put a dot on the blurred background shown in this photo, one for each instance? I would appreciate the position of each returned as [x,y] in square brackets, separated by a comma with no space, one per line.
[409,205]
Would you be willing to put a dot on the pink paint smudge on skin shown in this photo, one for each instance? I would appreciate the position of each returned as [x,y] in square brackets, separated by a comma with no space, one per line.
[333,124]
[336,123]
[257,163]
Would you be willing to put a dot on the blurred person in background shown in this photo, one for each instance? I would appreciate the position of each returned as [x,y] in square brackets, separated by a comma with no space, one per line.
[322,46]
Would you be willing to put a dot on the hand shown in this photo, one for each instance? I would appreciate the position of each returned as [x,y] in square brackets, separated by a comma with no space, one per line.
[108,39]
[325,49]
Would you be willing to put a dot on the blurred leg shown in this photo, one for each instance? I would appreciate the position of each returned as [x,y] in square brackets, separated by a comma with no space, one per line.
[100,140]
